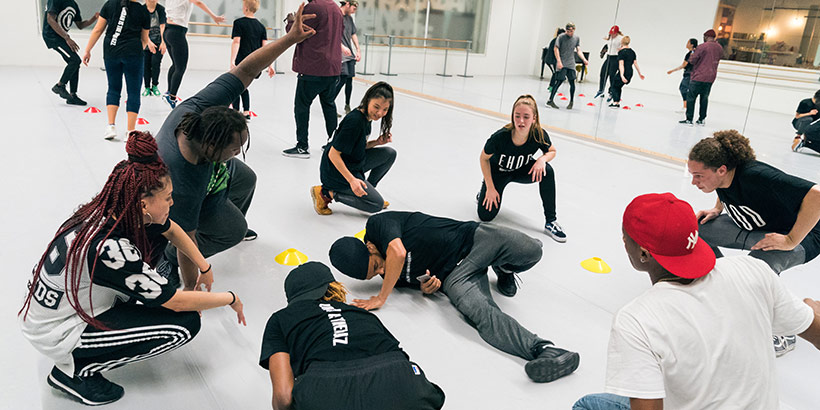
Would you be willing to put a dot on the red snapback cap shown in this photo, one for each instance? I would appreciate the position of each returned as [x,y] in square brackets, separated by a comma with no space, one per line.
[667,227]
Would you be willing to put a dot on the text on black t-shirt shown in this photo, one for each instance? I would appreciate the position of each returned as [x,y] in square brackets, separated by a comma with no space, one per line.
[123,34]
[66,12]
[505,156]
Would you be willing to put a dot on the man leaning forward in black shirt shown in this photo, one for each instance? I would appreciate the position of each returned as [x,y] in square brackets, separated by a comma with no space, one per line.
[412,249]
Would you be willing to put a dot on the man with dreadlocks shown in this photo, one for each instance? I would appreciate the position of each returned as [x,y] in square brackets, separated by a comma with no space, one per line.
[106,253]
[412,249]
[343,356]
[199,141]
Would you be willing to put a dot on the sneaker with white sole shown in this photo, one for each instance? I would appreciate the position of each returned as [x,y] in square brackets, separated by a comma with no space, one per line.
[297,152]
[507,281]
[110,132]
[798,143]
[555,231]
[783,344]
[92,390]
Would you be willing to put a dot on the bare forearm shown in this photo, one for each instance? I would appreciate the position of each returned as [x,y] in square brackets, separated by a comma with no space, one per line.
[486,171]
[807,217]
[189,301]
[337,161]
[204,8]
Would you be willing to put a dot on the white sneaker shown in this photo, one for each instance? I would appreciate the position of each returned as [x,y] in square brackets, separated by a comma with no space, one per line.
[110,132]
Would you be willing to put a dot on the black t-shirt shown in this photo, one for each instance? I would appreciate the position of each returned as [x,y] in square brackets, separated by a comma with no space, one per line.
[326,332]
[251,33]
[762,197]
[628,57]
[431,242]
[350,140]
[66,12]
[688,68]
[124,30]
[507,157]
[806,106]
[157,18]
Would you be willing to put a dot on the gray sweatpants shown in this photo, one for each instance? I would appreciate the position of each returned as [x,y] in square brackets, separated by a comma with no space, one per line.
[468,287]
[724,232]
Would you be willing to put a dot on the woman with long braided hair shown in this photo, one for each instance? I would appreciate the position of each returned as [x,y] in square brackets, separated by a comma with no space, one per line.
[342,355]
[81,309]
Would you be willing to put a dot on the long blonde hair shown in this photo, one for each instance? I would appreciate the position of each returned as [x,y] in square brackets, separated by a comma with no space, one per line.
[335,292]
[536,133]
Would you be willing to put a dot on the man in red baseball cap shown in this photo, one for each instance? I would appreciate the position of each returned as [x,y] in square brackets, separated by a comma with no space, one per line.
[699,338]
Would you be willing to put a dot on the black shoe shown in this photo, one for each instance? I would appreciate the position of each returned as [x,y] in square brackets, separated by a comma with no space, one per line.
[74,100]
[93,390]
[700,122]
[551,363]
[297,152]
[61,91]
[569,106]
[687,122]
[170,272]
[552,104]
[247,116]
[506,281]
[249,235]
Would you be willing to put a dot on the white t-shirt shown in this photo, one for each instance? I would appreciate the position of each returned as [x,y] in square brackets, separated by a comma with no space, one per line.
[179,11]
[613,45]
[706,345]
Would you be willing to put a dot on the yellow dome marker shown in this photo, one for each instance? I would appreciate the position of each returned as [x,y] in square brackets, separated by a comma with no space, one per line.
[291,257]
[596,265]
[360,235]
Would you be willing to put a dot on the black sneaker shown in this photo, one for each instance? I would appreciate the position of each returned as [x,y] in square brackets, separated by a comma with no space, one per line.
[297,152]
[170,272]
[61,91]
[700,122]
[686,122]
[93,390]
[555,231]
[74,100]
[249,235]
[551,363]
[569,106]
[507,285]
[552,104]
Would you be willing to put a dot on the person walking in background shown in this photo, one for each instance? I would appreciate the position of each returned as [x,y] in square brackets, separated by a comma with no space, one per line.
[154,60]
[248,35]
[691,45]
[179,14]
[549,58]
[350,52]
[704,60]
[626,59]
[567,45]
[59,16]
[610,65]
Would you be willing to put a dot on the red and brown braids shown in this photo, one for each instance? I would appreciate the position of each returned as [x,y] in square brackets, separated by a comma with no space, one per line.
[131,180]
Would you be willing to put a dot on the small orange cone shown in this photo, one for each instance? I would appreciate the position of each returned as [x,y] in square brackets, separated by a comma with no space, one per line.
[581,95]
[142,121]
[596,265]
[253,114]
[639,105]
[626,107]
[560,94]
[563,98]
[291,257]
[591,104]
[92,110]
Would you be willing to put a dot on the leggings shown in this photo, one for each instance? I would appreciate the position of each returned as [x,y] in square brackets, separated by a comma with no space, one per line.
[131,67]
[347,83]
[246,101]
[177,46]
[608,70]
[617,87]
[71,73]
[546,188]
[378,161]
[568,74]
[152,64]
[140,332]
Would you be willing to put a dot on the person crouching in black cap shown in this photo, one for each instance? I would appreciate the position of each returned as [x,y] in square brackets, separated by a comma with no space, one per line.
[342,356]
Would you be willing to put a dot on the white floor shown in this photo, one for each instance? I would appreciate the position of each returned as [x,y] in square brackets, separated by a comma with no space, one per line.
[58,159]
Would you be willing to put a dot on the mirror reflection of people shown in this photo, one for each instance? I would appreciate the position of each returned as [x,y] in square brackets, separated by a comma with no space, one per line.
[567,46]
[698,338]
[704,61]
[325,354]
[610,52]
[683,87]
[805,123]
[623,76]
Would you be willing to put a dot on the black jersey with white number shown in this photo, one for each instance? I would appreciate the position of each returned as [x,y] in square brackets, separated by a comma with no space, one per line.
[762,197]
[120,273]
[66,12]
[324,331]
[508,157]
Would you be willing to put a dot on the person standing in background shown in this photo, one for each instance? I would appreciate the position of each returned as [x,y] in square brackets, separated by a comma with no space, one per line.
[610,66]
[59,16]
[566,46]
[154,60]
[704,60]
[351,54]
[691,45]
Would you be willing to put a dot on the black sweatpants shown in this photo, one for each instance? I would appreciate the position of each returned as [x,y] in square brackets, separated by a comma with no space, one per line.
[177,46]
[546,188]
[698,89]
[617,87]
[308,87]
[152,66]
[387,382]
[71,73]
[608,70]
[137,333]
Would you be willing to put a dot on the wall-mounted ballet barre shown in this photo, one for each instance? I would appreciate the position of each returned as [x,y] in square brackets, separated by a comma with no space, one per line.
[276,32]
[391,43]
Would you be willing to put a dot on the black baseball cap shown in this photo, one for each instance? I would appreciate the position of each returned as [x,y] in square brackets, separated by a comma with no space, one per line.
[350,256]
[308,281]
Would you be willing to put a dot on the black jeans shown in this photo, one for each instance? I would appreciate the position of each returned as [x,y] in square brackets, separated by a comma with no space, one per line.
[378,161]
[71,73]
[152,65]
[177,46]
[697,89]
[546,188]
[608,70]
[617,87]
[137,333]
[308,87]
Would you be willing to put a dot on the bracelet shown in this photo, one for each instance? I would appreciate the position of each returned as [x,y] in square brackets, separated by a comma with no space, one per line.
[234,298]
[202,272]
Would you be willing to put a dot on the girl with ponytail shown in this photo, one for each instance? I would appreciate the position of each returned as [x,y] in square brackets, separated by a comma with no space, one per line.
[102,261]
[349,155]
[771,213]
